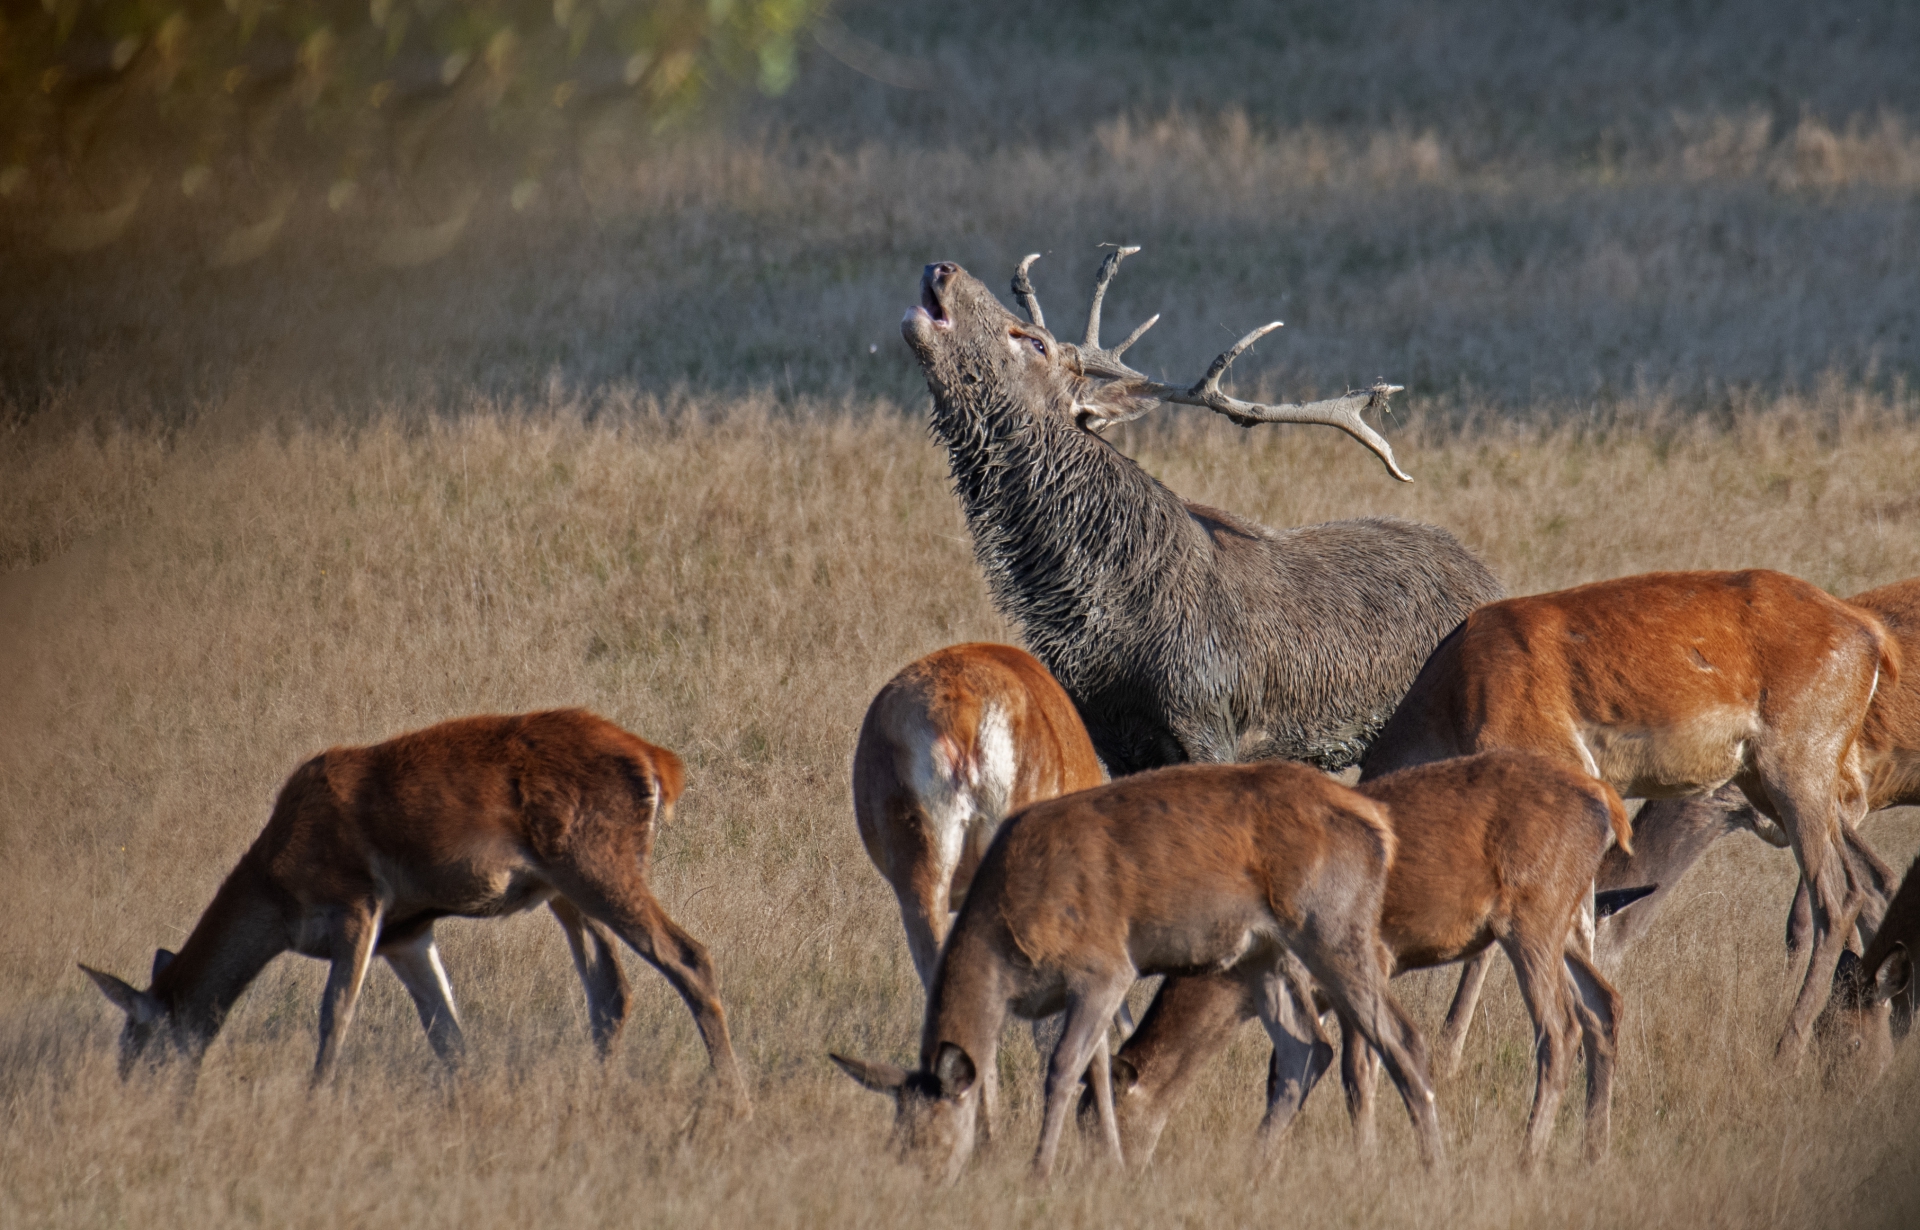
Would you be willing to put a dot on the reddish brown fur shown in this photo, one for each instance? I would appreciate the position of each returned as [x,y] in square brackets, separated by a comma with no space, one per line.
[928,797]
[480,817]
[1223,867]
[1890,736]
[1889,749]
[1496,848]
[1673,684]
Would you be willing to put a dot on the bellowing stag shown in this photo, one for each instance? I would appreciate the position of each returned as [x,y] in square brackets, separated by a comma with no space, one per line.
[1181,632]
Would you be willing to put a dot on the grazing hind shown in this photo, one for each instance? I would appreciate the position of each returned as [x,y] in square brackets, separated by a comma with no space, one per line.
[1494,849]
[1232,868]
[1671,684]
[480,817]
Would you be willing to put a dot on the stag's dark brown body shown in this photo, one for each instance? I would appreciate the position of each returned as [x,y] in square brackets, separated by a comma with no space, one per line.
[1183,633]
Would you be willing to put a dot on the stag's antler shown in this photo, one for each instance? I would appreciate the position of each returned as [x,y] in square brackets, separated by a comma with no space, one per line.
[1343,412]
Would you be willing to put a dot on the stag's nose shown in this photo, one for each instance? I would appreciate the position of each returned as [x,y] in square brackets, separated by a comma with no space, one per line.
[938,273]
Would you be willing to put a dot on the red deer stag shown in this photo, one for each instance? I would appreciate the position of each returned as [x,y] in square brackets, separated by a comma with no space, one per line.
[1182,633]
[1498,848]
[480,817]
[1672,684]
[1228,867]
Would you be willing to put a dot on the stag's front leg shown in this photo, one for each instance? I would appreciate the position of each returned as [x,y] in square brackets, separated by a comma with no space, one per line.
[1547,988]
[1874,875]
[352,937]
[600,974]
[1815,806]
[1598,1007]
[1359,1076]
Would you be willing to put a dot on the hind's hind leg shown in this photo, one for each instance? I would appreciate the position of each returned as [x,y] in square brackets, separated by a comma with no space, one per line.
[1598,1007]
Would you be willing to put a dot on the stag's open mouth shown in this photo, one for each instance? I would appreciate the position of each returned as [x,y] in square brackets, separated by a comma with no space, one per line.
[931,305]
[932,282]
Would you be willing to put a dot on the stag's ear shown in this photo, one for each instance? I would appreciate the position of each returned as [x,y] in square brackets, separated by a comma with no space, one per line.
[1894,976]
[161,959]
[879,1077]
[953,1068]
[1099,404]
[139,1006]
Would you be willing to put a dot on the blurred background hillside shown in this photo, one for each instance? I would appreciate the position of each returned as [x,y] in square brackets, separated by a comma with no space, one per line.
[1538,207]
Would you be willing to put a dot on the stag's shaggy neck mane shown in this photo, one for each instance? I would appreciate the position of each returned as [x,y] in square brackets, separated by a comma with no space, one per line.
[1064,525]
[1180,632]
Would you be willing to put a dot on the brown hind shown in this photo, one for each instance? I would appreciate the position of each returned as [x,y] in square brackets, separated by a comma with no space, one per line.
[1228,867]
[951,746]
[1498,848]
[480,817]
[1673,684]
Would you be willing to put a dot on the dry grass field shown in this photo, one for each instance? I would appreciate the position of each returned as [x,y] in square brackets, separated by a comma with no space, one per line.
[650,445]
[220,600]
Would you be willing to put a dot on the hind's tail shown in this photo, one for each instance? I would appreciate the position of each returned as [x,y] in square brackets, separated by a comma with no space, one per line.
[1617,817]
[1889,648]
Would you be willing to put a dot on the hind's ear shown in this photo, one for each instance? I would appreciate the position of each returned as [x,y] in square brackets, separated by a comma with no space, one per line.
[139,1006]
[1895,974]
[954,1069]
[161,959]
[1849,981]
[879,1077]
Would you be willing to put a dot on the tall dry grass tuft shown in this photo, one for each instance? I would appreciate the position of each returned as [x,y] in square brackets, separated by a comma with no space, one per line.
[189,610]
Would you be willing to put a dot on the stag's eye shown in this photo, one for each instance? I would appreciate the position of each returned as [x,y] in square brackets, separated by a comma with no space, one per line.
[1015,337]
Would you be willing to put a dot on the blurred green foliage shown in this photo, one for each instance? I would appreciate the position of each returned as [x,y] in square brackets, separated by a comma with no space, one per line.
[366,83]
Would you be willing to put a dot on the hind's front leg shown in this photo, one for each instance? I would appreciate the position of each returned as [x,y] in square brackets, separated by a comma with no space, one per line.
[350,943]
[417,963]
[1083,1040]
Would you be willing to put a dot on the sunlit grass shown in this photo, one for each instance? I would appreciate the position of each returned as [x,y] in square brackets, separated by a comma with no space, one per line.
[189,613]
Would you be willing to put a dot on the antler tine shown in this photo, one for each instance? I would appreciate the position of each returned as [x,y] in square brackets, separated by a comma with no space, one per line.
[1108,268]
[1210,383]
[1023,291]
[1135,336]
[1342,412]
